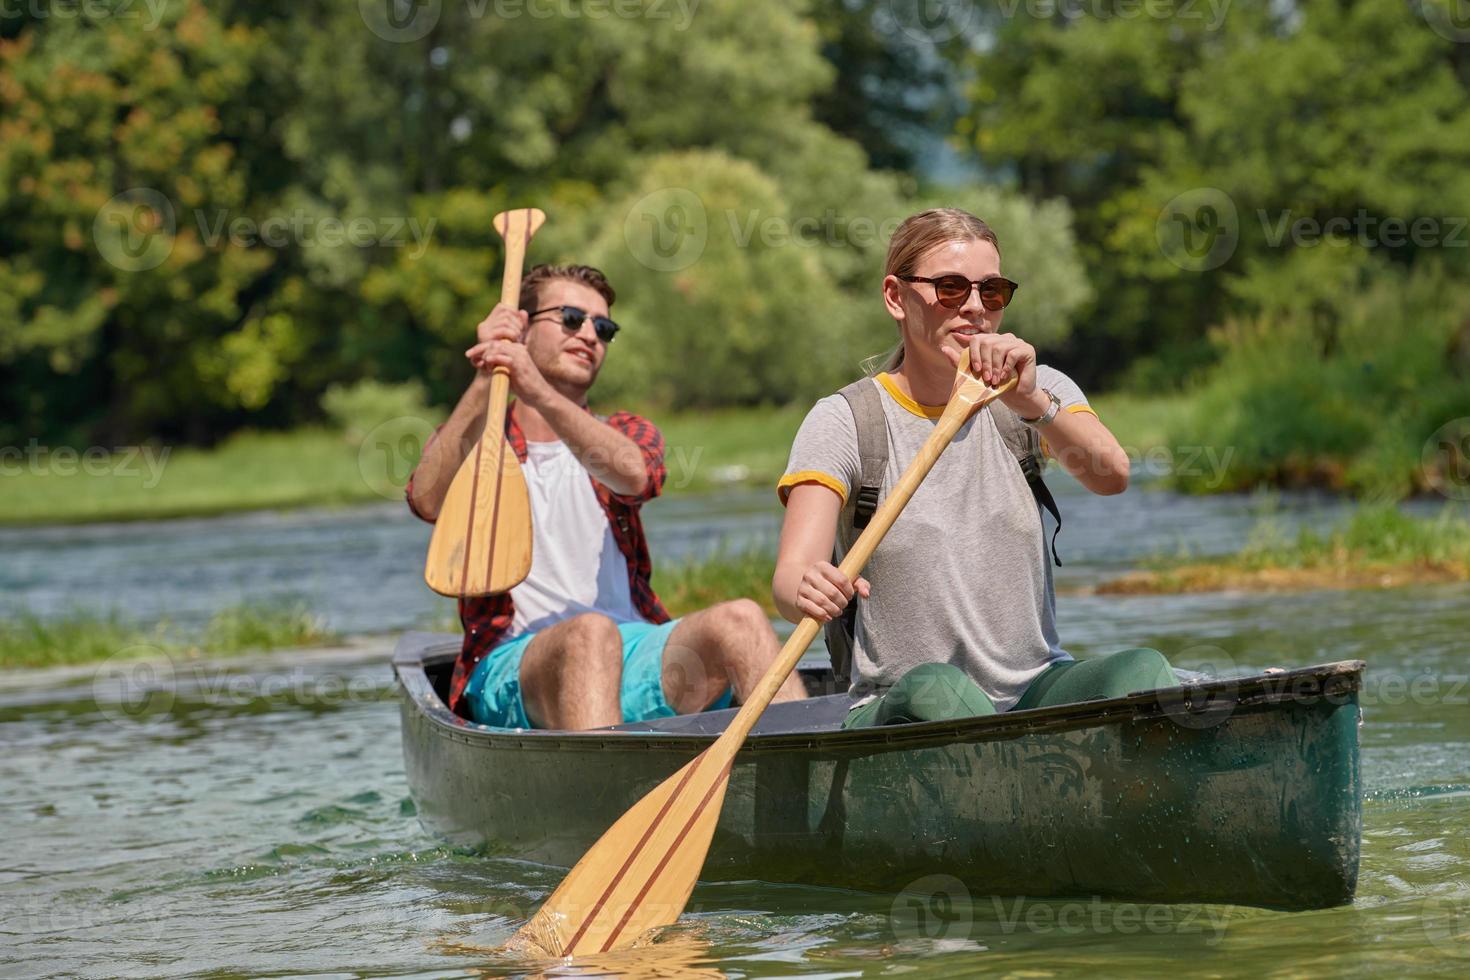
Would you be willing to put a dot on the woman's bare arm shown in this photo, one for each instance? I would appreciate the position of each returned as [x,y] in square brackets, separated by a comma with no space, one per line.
[806,583]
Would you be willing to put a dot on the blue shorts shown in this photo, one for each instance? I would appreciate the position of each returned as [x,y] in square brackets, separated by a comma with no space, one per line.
[493,695]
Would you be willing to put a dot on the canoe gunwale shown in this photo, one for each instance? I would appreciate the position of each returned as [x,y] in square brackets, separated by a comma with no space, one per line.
[1192,703]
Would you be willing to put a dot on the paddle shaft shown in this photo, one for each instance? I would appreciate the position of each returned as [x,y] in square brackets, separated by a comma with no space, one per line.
[640,873]
[955,415]
[516,240]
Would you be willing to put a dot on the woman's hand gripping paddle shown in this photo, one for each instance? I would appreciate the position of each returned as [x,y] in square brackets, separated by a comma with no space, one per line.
[482,539]
[638,876]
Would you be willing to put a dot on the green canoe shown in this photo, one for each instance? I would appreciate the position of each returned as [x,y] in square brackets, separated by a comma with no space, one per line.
[1241,790]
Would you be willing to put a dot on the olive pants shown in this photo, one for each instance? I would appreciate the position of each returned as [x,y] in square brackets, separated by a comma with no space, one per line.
[936,692]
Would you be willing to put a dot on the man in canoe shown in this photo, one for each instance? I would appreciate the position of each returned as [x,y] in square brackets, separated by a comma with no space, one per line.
[955,613]
[583,642]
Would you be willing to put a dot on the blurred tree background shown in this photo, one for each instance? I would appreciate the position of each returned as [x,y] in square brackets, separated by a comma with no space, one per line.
[212,215]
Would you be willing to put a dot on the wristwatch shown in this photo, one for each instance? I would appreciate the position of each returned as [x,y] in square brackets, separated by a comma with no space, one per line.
[1050,414]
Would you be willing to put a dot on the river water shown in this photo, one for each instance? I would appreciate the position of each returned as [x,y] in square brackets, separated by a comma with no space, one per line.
[255,819]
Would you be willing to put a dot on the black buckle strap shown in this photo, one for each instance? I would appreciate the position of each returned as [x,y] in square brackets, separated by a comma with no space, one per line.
[1042,493]
[864,507]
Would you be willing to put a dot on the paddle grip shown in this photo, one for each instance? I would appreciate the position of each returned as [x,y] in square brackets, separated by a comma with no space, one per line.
[517,228]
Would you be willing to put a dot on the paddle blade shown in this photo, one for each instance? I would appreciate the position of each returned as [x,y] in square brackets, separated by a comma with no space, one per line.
[482,539]
[639,874]
[522,224]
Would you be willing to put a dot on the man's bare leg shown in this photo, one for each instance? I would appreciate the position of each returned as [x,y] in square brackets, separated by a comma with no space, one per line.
[572,674]
[728,645]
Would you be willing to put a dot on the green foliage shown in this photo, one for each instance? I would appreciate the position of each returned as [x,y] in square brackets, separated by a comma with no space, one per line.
[750,317]
[208,222]
[1339,115]
[1377,534]
[361,408]
[1346,399]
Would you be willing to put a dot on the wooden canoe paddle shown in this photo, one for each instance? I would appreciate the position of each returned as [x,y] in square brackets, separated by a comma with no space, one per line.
[639,874]
[482,540]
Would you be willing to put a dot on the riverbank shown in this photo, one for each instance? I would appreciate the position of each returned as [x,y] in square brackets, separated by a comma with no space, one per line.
[75,641]
[1377,547]
[706,451]
[83,639]
[1374,547]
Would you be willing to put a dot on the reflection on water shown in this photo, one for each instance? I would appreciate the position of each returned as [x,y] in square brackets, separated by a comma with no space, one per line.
[257,822]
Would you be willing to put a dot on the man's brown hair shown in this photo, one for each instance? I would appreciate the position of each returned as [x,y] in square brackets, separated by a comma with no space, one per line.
[586,275]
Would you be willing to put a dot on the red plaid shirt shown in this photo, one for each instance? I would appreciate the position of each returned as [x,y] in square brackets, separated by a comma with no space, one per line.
[487,619]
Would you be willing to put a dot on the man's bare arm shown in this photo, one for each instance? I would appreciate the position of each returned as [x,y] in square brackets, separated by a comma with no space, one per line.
[447,451]
[612,458]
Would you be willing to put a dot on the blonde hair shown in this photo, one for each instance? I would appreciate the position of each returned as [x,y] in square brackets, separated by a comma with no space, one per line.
[915,238]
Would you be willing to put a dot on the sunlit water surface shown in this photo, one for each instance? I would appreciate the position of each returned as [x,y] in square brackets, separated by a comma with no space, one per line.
[255,819]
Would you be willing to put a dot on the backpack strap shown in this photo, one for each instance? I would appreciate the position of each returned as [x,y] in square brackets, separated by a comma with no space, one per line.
[872,433]
[1024,442]
[866,403]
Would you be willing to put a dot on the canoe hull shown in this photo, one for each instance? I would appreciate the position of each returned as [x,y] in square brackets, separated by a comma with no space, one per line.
[1210,794]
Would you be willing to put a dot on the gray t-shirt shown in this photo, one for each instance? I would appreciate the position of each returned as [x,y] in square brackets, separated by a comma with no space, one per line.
[964,575]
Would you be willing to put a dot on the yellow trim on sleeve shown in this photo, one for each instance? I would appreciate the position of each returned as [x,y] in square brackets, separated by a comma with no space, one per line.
[1071,409]
[784,485]
[907,403]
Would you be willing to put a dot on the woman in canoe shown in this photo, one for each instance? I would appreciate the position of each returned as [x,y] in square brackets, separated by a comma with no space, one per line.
[956,610]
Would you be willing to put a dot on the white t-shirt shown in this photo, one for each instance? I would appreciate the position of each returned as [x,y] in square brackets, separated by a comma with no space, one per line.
[576,566]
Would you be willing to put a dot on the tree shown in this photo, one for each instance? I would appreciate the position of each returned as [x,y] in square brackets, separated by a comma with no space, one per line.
[1157,129]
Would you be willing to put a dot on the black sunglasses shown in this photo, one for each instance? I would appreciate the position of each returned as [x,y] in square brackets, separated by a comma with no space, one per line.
[954,291]
[572,318]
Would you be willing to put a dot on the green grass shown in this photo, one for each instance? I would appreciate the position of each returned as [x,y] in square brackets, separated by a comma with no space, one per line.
[690,586]
[250,471]
[86,638]
[733,447]
[1365,394]
[1378,545]
[316,467]
[320,467]
[1377,534]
